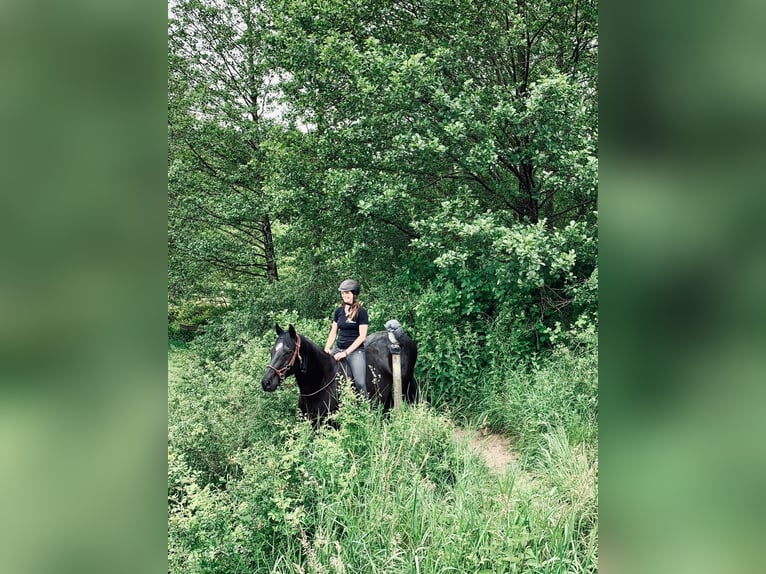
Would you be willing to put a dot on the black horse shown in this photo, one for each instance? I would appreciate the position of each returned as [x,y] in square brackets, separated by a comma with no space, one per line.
[318,374]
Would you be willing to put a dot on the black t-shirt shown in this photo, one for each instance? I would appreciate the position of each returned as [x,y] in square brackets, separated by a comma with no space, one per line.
[348,331]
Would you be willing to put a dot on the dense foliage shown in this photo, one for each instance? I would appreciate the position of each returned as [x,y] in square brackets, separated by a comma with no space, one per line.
[253,489]
[444,154]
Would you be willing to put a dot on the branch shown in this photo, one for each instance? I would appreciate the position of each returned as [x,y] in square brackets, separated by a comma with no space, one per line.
[576,206]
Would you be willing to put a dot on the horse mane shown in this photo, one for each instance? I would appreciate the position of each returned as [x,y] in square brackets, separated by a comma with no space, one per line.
[319,355]
[309,342]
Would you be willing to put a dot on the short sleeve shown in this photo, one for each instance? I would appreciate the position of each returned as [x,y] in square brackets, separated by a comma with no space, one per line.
[362,318]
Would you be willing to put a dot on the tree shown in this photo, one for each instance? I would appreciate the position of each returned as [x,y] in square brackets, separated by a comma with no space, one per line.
[220,97]
[495,99]
[449,125]
[439,149]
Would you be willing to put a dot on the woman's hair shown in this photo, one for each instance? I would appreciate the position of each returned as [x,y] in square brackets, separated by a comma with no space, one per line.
[354,309]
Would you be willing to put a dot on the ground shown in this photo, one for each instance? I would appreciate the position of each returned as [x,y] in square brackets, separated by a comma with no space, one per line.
[496,450]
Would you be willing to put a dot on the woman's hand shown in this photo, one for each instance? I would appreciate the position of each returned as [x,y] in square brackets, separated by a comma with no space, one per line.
[340,355]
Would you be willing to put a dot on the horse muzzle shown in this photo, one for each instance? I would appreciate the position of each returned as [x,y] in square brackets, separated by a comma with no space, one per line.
[270,382]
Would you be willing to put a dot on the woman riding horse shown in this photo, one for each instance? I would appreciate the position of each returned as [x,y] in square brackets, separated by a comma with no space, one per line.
[318,374]
[350,323]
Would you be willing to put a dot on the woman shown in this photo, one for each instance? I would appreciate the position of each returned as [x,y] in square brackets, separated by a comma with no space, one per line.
[350,324]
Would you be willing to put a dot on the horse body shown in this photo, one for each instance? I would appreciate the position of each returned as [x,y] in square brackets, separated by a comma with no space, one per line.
[317,373]
[380,376]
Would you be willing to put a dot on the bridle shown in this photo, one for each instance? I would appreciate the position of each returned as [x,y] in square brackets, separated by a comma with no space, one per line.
[282,373]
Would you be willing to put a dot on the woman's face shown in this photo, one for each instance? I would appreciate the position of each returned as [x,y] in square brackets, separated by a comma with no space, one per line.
[347,296]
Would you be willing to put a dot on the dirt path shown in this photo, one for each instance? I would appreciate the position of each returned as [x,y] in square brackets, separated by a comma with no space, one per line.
[496,450]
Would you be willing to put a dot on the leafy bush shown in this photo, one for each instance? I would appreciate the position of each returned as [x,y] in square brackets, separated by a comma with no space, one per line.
[214,411]
[186,319]
[502,295]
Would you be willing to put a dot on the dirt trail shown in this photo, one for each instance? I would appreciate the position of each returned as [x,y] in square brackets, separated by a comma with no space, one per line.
[496,450]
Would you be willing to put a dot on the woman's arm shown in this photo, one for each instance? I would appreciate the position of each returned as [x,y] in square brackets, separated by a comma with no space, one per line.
[331,337]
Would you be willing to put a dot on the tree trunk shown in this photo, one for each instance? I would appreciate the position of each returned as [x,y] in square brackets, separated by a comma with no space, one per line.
[269,252]
[529,205]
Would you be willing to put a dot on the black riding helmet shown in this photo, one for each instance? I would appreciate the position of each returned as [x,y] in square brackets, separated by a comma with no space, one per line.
[350,285]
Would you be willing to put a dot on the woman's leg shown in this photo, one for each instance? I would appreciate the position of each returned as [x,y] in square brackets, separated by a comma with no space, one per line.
[358,363]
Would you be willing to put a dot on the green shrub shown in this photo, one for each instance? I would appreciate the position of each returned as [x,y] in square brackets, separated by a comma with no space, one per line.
[214,411]
[189,318]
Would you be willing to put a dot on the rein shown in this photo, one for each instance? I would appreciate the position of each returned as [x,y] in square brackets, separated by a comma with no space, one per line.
[282,373]
[332,379]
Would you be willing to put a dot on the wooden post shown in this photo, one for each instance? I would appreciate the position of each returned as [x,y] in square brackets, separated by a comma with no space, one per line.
[394,327]
[397,371]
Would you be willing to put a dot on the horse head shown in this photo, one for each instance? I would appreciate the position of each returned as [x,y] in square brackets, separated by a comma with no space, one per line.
[285,358]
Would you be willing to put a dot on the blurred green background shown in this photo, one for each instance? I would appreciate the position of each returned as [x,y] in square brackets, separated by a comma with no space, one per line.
[682,283]
[83,292]
[82,310]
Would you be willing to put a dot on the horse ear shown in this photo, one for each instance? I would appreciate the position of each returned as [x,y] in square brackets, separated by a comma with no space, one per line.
[278,329]
[292,331]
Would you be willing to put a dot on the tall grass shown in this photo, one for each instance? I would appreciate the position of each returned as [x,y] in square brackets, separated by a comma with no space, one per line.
[558,396]
[253,489]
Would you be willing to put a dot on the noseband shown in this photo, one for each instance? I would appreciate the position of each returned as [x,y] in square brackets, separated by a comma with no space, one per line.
[282,373]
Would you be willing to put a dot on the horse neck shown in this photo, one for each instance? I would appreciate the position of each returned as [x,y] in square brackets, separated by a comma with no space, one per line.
[320,366]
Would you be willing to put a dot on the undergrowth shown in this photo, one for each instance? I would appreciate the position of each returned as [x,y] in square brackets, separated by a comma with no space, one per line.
[251,488]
